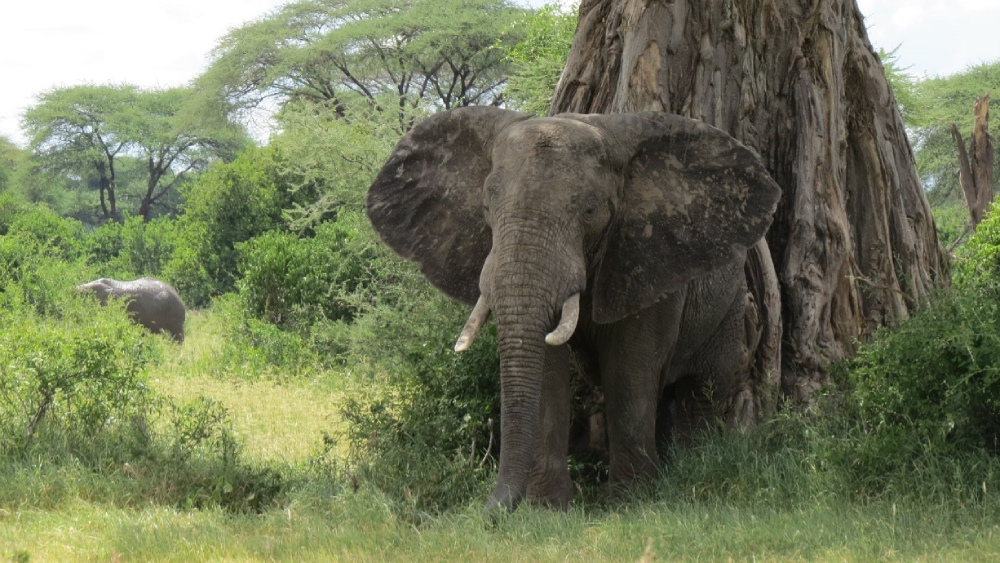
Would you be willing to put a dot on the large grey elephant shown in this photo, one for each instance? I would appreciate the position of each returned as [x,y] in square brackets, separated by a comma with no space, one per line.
[152,303]
[618,238]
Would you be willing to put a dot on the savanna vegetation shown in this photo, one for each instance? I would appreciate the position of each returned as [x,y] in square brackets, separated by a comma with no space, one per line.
[316,410]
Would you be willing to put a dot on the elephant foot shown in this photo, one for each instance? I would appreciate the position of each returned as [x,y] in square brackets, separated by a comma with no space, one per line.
[502,502]
[551,486]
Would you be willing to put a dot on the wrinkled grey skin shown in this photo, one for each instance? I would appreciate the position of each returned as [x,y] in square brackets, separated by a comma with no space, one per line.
[151,302]
[647,216]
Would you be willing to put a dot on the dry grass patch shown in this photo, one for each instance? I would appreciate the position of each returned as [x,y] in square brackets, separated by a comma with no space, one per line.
[276,421]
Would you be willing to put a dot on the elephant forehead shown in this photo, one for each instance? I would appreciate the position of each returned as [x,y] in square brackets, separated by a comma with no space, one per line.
[550,137]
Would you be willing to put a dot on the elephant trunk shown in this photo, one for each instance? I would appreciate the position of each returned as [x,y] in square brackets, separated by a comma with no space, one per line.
[531,282]
[522,360]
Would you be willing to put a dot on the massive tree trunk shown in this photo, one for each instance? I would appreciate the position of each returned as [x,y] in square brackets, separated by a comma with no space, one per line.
[853,242]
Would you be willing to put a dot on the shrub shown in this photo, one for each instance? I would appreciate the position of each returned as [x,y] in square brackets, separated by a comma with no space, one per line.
[230,203]
[73,379]
[933,382]
[421,430]
[283,276]
[131,249]
[932,385]
[44,228]
[34,276]
[978,261]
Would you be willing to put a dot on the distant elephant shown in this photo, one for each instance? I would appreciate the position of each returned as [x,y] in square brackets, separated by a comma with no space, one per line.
[641,220]
[151,302]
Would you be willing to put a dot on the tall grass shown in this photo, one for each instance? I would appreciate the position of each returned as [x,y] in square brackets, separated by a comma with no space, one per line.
[784,491]
[249,446]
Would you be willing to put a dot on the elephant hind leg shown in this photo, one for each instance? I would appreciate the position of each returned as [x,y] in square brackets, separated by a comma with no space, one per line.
[691,412]
[713,392]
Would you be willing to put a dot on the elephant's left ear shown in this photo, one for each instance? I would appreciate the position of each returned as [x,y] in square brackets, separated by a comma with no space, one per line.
[695,199]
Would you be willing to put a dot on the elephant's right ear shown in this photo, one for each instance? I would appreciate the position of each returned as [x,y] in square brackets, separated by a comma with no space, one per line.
[427,201]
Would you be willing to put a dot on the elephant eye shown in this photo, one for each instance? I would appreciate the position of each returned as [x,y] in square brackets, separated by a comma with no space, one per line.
[592,206]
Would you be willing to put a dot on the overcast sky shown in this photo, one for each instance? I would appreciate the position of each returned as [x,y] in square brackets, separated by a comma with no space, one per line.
[159,43]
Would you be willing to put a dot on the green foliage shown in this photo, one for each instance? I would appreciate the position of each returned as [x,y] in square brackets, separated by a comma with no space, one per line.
[331,160]
[934,382]
[421,53]
[284,278]
[132,249]
[254,348]
[539,58]
[119,143]
[423,430]
[38,257]
[977,267]
[41,226]
[11,159]
[74,378]
[938,103]
[231,203]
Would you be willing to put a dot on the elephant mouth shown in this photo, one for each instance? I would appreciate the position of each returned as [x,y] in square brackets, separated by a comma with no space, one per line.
[568,320]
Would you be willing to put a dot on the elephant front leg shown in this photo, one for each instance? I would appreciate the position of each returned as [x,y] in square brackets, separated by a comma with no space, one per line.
[549,480]
[630,398]
[631,413]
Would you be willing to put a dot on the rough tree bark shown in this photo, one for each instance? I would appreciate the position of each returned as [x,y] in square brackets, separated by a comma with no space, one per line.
[976,176]
[853,242]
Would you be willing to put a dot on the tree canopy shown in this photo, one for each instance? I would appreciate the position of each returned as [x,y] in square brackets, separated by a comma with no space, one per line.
[539,58]
[418,53]
[87,132]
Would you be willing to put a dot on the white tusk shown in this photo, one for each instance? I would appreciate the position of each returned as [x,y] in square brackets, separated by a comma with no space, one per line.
[479,315]
[567,324]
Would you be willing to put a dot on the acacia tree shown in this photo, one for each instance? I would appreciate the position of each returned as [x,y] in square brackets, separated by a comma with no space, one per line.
[418,53]
[173,141]
[77,131]
[538,59]
[853,243]
[87,134]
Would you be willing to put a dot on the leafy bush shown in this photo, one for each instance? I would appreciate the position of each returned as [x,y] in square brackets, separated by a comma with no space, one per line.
[34,277]
[41,226]
[933,383]
[74,378]
[935,380]
[131,249]
[230,203]
[978,262]
[421,430]
[283,276]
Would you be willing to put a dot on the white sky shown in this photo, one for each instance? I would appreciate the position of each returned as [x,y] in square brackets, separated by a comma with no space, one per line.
[160,43]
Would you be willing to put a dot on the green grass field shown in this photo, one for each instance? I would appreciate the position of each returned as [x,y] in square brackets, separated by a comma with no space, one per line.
[786,510]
